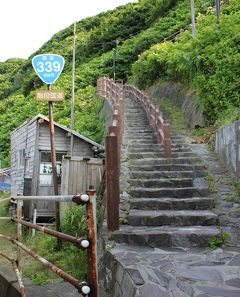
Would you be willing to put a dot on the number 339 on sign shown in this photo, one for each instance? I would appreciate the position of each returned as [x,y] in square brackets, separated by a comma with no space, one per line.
[48,67]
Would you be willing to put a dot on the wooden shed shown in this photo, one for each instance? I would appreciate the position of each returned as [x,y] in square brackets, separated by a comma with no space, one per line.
[31,170]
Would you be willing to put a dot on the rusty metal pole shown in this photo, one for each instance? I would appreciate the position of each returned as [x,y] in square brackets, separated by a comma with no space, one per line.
[19,233]
[54,167]
[18,274]
[92,250]
[83,287]
[79,242]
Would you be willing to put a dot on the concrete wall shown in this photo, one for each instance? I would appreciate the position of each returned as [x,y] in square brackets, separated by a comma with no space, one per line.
[228,146]
[8,282]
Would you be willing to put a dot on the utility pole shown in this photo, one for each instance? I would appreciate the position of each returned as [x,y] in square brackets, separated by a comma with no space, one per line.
[193,18]
[217,4]
[114,64]
[114,52]
[73,86]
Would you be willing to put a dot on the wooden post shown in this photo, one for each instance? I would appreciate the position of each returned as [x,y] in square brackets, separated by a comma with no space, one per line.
[54,167]
[19,233]
[167,140]
[115,129]
[112,182]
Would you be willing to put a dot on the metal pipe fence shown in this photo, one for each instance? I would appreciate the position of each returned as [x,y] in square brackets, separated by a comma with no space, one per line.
[89,287]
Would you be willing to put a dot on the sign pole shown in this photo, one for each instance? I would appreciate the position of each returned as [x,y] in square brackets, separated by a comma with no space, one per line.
[54,166]
[48,67]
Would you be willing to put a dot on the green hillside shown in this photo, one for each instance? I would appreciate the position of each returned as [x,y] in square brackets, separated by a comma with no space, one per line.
[140,27]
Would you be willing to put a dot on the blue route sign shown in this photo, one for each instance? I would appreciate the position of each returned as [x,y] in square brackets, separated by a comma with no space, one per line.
[48,67]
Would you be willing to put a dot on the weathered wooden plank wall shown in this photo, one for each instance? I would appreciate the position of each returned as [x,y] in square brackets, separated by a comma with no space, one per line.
[80,173]
[62,142]
[22,138]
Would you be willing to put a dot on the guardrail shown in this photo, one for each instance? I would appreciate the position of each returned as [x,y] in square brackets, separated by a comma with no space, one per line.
[155,116]
[89,288]
[114,93]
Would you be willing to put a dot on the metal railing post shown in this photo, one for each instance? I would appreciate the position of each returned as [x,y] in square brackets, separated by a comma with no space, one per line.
[112,182]
[92,249]
[19,233]
[17,272]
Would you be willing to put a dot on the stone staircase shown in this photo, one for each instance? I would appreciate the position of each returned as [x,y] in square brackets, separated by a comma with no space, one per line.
[168,197]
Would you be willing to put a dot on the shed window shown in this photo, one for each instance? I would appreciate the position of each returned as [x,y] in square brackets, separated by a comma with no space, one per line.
[45,174]
[21,158]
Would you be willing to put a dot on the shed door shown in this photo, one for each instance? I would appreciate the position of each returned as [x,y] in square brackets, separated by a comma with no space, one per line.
[45,185]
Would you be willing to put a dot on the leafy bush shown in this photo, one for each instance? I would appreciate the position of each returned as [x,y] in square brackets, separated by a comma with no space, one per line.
[210,63]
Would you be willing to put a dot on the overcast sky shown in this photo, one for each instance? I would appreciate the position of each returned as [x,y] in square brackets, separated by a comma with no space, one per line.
[26,24]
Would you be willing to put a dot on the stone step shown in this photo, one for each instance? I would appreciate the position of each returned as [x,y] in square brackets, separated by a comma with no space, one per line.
[134,115]
[137,130]
[195,203]
[139,126]
[129,108]
[187,192]
[135,120]
[149,149]
[163,182]
[146,141]
[140,134]
[157,145]
[162,161]
[197,236]
[167,167]
[151,155]
[171,217]
[143,137]
[160,174]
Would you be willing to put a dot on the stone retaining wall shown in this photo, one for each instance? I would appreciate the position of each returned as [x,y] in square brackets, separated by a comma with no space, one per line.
[180,96]
[228,146]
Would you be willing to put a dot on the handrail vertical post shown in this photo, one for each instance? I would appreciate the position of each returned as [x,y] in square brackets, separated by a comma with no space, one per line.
[167,140]
[19,233]
[92,250]
[112,182]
